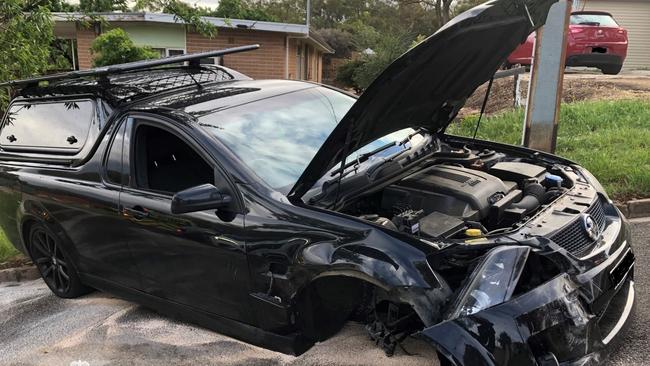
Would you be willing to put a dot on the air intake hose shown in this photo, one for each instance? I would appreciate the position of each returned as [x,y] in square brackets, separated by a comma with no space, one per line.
[533,198]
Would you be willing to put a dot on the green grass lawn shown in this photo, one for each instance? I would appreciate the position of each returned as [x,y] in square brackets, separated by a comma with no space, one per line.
[609,138]
[7,250]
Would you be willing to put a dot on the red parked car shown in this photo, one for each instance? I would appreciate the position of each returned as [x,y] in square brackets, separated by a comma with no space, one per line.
[594,40]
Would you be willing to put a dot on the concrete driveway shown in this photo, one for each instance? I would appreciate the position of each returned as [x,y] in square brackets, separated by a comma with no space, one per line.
[37,328]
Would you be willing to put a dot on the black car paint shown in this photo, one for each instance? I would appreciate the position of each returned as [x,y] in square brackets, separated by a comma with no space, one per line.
[169,256]
[166,261]
[241,270]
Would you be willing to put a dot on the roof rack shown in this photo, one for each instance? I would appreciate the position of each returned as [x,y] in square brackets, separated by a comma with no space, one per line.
[193,59]
[132,85]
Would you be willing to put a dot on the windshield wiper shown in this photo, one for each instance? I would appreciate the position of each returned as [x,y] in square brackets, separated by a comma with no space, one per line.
[365,156]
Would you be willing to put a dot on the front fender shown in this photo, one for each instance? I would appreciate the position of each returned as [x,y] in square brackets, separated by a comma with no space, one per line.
[406,278]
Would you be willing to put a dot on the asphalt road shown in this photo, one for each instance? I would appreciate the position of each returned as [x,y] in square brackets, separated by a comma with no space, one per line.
[634,347]
[37,328]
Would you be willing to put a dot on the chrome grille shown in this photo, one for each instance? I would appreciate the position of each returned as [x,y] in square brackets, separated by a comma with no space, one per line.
[574,238]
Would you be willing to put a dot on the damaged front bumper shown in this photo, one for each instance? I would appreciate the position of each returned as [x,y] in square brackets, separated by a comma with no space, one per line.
[569,320]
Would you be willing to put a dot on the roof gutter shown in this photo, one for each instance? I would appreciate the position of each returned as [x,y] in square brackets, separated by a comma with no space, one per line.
[172,19]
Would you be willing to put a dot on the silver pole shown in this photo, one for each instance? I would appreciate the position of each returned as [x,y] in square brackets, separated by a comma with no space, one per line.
[546,76]
[74,59]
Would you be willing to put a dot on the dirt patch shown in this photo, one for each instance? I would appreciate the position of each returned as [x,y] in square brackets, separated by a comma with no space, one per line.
[18,261]
[577,87]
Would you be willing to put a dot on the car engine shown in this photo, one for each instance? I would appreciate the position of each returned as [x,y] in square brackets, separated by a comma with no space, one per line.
[459,197]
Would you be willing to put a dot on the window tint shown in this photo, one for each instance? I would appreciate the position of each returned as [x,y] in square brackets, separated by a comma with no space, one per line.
[60,125]
[601,20]
[165,163]
[114,169]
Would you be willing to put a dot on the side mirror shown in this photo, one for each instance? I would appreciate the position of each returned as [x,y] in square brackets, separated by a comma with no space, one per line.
[199,198]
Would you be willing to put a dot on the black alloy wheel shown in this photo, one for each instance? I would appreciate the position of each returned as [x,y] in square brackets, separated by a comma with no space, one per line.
[54,265]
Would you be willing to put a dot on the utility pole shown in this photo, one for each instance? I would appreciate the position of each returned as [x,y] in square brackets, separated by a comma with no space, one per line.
[546,78]
[308,16]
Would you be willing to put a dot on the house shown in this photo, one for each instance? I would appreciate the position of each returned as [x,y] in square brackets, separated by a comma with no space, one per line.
[634,16]
[288,51]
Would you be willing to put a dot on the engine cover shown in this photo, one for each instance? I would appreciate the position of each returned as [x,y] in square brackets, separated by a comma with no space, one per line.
[452,190]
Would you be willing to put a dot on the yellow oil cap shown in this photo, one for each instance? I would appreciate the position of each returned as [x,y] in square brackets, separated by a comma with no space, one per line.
[473,232]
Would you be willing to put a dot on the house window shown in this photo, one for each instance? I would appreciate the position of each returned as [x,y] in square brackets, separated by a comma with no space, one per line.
[211,61]
[175,52]
[166,52]
[160,51]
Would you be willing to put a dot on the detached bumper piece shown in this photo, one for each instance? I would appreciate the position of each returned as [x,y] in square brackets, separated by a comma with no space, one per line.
[558,323]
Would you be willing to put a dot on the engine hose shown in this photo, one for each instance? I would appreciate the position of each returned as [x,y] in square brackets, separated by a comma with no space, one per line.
[533,198]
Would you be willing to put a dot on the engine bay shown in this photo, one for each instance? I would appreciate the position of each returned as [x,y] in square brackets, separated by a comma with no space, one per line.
[461,193]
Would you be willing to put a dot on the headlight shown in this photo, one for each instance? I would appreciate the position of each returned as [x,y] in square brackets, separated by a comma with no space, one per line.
[593,181]
[493,281]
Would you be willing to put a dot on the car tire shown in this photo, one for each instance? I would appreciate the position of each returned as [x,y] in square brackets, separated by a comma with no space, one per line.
[54,263]
[611,69]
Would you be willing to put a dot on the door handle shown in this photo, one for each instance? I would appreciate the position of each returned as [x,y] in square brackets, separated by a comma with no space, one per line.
[137,212]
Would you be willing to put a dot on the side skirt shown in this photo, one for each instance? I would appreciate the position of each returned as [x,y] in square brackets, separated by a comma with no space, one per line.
[292,344]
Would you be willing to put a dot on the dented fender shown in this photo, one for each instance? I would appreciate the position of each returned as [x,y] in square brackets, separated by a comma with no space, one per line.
[406,278]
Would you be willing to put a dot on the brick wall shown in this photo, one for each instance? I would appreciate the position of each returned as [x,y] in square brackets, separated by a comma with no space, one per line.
[85,37]
[264,63]
[268,62]
[330,68]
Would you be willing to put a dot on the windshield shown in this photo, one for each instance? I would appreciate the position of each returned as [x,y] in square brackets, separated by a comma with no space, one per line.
[278,137]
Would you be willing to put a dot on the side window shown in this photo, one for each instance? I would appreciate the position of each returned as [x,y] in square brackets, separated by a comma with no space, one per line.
[165,163]
[114,158]
[66,123]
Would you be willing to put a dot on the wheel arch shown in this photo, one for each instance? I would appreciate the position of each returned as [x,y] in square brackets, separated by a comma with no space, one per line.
[324,304]
[30,218]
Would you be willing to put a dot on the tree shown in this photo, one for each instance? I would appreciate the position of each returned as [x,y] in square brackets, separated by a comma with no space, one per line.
[288,11]
[340,40]
[463,5]
[345,74]
[26,27]
[390,47]
[442,8]
[360,73]
[242,9]
[115,47]
[97,6]
[189,14]
[230,9]
[62,6]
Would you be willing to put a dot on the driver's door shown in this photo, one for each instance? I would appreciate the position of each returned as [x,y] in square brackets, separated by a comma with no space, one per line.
[198,258]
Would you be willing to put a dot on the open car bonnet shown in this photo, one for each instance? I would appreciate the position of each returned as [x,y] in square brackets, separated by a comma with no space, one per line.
[429,84]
